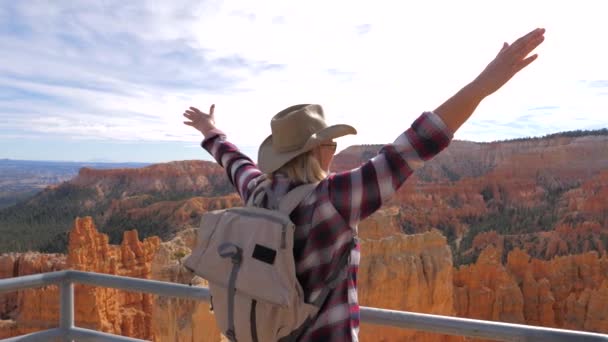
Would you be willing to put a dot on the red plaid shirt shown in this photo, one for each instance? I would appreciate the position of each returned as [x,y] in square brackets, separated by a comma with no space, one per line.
[327,220]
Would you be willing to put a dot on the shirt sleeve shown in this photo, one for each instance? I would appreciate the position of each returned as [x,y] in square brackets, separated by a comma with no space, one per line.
[358,193]
[241,170]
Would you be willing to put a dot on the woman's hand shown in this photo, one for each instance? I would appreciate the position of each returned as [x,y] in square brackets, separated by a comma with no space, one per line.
[202,121]
[509,61]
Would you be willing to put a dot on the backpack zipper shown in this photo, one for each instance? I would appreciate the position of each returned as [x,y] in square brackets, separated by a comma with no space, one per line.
[283,237]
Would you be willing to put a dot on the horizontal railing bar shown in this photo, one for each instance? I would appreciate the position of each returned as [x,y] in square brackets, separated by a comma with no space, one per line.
[161,288]
[416,321]
[44,335]
[82,334]
[30,281]
[473,328]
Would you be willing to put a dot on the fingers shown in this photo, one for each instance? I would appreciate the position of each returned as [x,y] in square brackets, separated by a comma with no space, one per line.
[529,47]
[505,46]
[529,36]
[191,116]
[524,45]
[533,43]
[196,116]
[194,110]
[193,113]
[533,33]
[526,62]
[534,40]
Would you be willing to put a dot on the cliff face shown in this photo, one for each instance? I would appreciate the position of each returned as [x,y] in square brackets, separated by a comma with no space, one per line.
[44,300]
[111,310]
[486,290]
[184,176]
[160,199]
[174,215]
[174,319]
[403,272]
[568,158]
[104,309]
[397,271]
[578,284]
[566,292]
[545,196]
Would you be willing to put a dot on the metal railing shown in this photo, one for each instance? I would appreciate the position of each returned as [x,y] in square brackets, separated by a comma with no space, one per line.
[67,331]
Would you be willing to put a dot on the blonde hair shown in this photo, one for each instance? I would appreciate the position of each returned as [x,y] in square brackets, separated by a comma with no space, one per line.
[304,168]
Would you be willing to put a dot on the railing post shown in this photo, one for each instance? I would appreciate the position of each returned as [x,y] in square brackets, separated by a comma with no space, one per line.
[66,298]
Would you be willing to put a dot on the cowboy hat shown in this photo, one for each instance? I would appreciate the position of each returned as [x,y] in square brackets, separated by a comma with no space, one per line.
[296,130]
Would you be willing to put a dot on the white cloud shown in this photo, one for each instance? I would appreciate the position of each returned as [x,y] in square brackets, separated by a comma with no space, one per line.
[127,71]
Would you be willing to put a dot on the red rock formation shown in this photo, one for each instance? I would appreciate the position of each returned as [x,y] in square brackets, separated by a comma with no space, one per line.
[466,183]
[564,240]
[403,272]
[484,239]
[578,283]
[560,160]
[174,319]
[104,309]
[566,292]
[486,290]
[184,176]
[179,214]
[589,198]
[114,311]
[22,264]
[469,182]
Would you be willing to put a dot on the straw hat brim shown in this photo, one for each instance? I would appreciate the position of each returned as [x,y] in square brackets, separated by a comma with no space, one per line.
[270,160]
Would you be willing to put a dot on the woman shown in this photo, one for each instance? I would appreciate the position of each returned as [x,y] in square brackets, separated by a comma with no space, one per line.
[300,150]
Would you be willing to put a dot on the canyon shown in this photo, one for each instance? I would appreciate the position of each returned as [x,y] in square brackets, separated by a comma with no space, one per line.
[398,271]
[510,231]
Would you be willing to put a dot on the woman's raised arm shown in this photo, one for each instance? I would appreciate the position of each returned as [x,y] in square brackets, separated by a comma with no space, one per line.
[357,193]
[509,61]
[240,169]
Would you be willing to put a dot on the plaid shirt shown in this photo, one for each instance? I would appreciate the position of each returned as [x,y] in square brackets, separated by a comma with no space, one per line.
[327,220]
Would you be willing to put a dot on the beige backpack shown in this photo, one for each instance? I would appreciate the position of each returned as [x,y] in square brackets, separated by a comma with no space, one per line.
[246,255]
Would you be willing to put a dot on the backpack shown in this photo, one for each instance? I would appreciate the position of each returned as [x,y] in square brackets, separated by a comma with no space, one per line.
[246,255]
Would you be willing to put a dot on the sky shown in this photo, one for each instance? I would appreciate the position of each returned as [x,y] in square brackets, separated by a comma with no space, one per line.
[109,80]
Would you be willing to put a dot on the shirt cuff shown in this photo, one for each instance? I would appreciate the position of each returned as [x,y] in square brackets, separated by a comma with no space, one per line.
[212,134]
[438,125]
[438,121]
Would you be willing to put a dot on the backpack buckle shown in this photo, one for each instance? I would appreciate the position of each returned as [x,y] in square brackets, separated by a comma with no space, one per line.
[237,258]
[232,251]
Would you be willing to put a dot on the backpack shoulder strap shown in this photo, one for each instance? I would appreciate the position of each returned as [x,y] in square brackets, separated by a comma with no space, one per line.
[294,197]
[258,191]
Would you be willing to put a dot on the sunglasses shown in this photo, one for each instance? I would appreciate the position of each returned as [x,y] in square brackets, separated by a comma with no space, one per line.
[331,145]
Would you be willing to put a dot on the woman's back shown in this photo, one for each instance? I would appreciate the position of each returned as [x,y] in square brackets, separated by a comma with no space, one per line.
[321,239]
[326,221]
